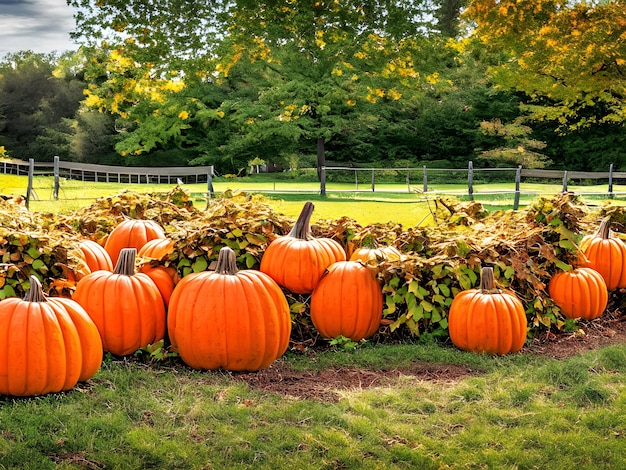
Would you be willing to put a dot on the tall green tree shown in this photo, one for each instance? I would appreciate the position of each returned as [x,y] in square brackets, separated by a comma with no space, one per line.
[35,104]
[321,64]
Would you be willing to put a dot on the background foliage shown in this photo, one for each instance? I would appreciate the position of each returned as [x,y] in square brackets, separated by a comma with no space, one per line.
[370,83]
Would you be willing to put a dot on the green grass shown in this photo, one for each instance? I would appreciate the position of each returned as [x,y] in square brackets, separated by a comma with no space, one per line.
[389,203]
[520,411]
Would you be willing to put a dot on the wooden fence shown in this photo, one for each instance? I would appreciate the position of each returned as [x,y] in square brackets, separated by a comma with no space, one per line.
[109,173]
[610,176]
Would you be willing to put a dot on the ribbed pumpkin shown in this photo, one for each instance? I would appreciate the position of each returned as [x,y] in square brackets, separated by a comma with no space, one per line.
[229,319]
[607,255]
[162,278]
[368,254]
[298,260]
[127,307]
[46,344]
[347,301]
[487,319]
[580,293]
[165,277]
[131,233]
[157,248]
[95,256]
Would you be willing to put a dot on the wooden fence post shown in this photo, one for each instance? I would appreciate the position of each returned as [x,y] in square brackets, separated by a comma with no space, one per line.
[373,180]
[611,195]
[470,180]
[209,179]
[518,177]
[564,189]
[31,171]
[425,179]
[55,189]
[356,180]
[408,179]
[322,181]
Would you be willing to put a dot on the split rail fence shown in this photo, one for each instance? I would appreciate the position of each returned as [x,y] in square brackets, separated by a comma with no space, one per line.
[417,178]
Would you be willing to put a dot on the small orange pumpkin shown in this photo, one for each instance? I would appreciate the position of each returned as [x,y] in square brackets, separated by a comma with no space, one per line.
[131,233]
[376,254]
[95,256]
[156,250]
[579,293]
[127,307]
[347,301]
[297,260]
[607,255]
[487,319]
[47,344]
[229,319]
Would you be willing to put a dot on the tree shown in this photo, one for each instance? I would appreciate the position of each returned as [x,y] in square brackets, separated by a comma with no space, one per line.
[321,62]
[568,57]
[35,104]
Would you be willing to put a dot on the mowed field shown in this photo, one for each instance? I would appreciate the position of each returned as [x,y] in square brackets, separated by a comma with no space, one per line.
[397,203]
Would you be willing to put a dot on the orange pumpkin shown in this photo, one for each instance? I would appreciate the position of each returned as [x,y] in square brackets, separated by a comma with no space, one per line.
[579,293]
[131,233]
[347,301]
[229,319]
[95,256]
[162,278]
[297,260]
[47,344]
[157,248]
[487,319]
[127,307]
[376,254]
[607,255]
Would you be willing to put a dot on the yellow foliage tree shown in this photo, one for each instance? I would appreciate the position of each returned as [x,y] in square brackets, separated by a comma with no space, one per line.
[568,57]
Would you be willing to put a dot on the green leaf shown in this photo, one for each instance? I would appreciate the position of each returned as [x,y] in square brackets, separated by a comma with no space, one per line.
[200,264]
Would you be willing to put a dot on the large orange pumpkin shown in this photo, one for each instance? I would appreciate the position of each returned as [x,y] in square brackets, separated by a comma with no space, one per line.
[607,255]
[347,301]
[229,319]
[131,233]
[95,256]
[579,293]
[127,307]
[298,260]
[46,344]
[487,319]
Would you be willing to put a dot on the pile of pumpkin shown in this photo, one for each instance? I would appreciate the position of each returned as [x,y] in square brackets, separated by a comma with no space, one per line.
[240,320]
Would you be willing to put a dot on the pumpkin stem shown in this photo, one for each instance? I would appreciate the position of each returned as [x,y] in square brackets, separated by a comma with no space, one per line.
[488,281]
[604,231]
[226,262]
[35,293]
[302,229]
[126,262]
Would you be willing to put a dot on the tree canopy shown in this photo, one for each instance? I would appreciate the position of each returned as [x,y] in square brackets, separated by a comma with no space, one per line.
[568,57]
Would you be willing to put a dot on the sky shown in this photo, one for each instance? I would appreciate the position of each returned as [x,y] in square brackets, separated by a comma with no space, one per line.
[38,25]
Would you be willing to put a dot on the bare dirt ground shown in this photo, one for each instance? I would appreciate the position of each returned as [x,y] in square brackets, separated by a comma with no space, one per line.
[323,385]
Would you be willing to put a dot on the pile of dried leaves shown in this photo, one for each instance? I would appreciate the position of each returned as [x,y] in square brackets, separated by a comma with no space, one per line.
[524,247]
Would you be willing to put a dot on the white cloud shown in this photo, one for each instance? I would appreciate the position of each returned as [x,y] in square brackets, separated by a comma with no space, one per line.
[37,25]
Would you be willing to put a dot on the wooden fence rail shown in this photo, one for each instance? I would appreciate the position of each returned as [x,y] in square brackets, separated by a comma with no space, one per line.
[520,173]
[168,175]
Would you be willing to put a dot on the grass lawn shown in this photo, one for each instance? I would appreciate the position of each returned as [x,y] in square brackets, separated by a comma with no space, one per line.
[522,411]
[517,412]
[390,202]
